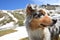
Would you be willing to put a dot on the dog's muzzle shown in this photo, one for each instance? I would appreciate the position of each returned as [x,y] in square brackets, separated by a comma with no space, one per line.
[53,23]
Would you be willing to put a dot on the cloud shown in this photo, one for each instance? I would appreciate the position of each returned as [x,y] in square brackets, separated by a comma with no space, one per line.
[57,2]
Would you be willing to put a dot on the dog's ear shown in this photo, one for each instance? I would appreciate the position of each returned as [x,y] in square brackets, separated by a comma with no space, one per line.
[29,9]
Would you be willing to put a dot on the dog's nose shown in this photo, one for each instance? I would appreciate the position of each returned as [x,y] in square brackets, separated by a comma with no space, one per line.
[54,21]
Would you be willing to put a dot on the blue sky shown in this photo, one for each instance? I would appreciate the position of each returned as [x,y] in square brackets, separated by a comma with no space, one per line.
[20,4]
[13,4]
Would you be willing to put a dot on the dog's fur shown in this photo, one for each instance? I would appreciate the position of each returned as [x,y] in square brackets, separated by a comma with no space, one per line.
[37,23]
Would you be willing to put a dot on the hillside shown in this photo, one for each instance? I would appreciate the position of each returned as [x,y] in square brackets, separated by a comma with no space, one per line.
[15,16]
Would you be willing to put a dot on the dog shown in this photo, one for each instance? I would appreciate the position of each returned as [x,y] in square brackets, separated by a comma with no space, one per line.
[37,23]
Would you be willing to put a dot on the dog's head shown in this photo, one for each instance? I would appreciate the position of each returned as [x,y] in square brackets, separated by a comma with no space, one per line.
[39,18]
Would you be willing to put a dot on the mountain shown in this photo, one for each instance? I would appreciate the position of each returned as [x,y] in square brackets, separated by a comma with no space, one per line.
[12,17]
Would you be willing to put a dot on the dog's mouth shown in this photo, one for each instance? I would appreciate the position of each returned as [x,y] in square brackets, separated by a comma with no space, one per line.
[46,25]
[43,25]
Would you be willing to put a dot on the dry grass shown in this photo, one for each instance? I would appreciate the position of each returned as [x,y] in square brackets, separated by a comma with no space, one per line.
[4,32]
[24,38]
[59,38]
[28,39]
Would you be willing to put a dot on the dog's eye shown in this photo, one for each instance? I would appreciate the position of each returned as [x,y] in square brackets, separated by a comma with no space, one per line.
[39,15]
[42,14]
[35,14]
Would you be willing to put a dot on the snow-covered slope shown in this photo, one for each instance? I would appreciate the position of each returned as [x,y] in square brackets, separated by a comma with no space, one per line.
[9,18]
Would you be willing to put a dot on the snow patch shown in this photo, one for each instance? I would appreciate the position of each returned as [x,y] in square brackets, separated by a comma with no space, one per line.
[2,18]
[7,26]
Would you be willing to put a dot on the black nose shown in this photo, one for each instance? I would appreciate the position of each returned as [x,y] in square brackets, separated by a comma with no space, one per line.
[54,21]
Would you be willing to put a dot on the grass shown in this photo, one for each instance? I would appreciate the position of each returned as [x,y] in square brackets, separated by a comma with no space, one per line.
[59,38]
[20,18]
[28,39]
[20,23]
[4,32]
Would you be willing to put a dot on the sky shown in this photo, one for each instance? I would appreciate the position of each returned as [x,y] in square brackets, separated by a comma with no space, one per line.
[21,4]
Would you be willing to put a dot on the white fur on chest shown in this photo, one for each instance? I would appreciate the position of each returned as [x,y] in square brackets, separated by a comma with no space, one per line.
[39,33]
[47,35]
